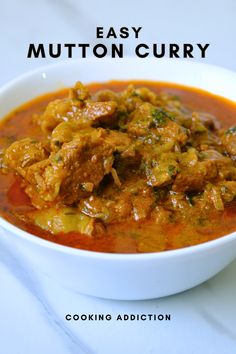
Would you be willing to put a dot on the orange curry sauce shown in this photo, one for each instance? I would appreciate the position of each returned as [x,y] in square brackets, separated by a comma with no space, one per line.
[120,237]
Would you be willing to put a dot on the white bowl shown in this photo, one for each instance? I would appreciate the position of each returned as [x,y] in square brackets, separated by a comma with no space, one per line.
[120,276]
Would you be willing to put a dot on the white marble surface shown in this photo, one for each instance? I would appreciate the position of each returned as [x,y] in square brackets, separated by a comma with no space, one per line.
[32,307]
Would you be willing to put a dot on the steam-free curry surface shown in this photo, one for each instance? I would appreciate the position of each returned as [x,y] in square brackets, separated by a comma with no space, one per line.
[121,167]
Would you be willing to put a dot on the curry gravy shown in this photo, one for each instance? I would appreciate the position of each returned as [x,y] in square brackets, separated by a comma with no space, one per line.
[127,236]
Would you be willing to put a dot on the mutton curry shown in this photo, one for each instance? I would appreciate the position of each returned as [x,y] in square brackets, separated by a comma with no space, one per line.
[121,167]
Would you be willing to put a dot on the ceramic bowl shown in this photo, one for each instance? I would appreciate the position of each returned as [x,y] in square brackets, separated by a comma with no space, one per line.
[120,276]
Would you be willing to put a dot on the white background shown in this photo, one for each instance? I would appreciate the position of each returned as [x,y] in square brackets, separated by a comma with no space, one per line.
[71,21]
[31,311]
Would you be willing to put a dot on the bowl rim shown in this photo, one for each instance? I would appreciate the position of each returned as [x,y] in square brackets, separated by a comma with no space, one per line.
[129,58]
[205,246]
[179,252]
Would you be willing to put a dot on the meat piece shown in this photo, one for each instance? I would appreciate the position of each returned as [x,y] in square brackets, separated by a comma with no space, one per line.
[79,92]
[212,195]
[143,93]
[63,110]
[142,206]
[56,112]
[67,110]
[120,142]
[148,120]
[223,192]
[141,120]
[228,140]
[189,158]
[129,99]
[205,140]
[76,169]
[68,131]
[97,112]
[212,165]
[201,122]
[118,207]
[194,178]
[105,95]
[109,210]
[172,131]
[63,133]
[133,199]
[62,176]
[228,190]
[78,107]
[22,154]
[225,166]
[209,121]
[162,174]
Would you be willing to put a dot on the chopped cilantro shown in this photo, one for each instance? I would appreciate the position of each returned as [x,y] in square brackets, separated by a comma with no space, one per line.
[58,158]
[231,130]
[189,198]
[136,94]
[224,189]
[171,170]
[160,116]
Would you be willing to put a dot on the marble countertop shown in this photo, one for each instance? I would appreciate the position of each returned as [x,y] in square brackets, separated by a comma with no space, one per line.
[33,308]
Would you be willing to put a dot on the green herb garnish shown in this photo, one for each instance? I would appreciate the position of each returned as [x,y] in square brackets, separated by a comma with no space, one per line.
[136,94]
[160,117]
[189,198]
[171,170]
[231,130]
[58,158]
